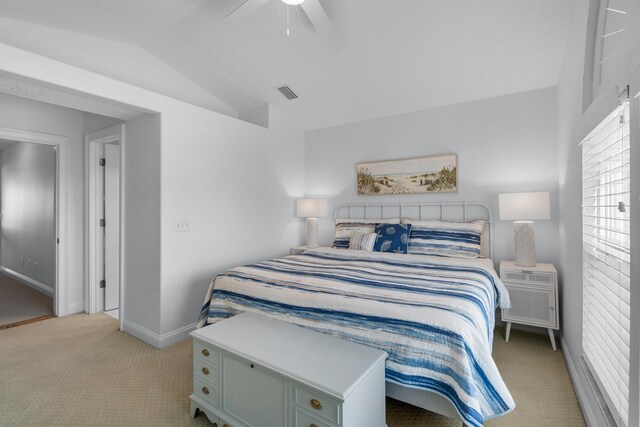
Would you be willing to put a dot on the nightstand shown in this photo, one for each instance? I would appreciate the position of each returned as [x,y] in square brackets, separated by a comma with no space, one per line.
[534,297]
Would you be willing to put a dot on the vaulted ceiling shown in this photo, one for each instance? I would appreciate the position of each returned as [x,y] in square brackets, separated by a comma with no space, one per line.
[347,60]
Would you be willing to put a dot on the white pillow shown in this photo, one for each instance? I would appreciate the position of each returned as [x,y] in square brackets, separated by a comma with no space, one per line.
[362,241]
[345,227]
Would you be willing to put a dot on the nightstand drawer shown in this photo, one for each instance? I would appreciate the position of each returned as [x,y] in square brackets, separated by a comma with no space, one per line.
[531,306]
[528,276]
[207,353]
[317,403]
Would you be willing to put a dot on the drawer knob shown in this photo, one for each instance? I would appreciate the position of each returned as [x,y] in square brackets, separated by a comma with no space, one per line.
[205,390]
[315,404]
[205,352]
[225,425]
[205,370]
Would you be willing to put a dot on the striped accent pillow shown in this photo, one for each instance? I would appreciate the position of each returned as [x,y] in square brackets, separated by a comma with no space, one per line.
[454,239]
[346,227]
[362,241]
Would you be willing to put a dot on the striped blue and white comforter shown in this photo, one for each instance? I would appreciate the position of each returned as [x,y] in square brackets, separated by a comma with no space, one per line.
[434,316]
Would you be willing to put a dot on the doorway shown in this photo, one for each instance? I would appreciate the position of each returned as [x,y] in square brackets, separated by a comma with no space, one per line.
[60,144]
[104,224]
[27,232]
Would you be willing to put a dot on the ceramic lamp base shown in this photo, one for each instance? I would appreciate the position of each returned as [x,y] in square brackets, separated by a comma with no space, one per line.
[525,240]
[312,233]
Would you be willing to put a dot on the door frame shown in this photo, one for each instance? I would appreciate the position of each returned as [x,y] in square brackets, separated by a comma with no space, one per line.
[61,146]
[92,141]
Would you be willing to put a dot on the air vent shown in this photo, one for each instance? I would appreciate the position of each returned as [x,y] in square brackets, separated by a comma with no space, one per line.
[287,92]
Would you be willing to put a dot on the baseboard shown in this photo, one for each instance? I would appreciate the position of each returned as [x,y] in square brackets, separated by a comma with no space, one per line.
[75,308]
[28,281]
[141,333]
[154,339]
[581,392]
[174,337]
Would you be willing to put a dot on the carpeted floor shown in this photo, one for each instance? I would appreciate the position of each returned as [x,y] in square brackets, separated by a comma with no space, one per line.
[80,370]
[19,302]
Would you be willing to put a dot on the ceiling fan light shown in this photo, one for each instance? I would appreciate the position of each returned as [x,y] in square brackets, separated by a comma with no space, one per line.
[293,2]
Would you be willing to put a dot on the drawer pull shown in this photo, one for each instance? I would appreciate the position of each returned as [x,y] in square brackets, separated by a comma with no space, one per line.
[205,390]
[225,425]
[205,352]
[315,404]
[313,425]
[205,370]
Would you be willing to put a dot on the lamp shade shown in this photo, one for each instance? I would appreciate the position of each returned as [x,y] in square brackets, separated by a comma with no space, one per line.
[311,208]
[524,206]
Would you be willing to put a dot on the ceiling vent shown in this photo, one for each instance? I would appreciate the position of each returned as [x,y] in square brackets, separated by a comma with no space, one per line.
[287,92]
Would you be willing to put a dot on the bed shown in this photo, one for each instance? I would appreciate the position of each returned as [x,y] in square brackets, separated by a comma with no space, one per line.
[433,315]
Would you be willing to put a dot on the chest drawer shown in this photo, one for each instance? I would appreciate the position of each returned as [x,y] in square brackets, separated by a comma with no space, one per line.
[316,403]
[206,391]
[302,419]
[208,353]
[206,370]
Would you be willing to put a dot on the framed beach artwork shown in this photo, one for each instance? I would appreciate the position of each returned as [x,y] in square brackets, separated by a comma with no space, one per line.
[418,175]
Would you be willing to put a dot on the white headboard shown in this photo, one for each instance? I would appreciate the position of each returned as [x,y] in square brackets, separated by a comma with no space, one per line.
[443,211]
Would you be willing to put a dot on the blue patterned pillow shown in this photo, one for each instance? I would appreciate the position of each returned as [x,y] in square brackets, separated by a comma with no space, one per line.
[392,238]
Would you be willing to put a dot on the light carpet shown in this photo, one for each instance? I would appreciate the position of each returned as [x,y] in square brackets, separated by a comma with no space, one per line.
[80,370]
[19,302]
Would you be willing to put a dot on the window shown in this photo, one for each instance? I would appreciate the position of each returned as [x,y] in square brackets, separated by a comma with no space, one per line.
[604,52]
[606,259]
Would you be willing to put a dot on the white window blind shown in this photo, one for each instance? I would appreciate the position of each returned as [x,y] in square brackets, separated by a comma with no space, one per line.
[606,258]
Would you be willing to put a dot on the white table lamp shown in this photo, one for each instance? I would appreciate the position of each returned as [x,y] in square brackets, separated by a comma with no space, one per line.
[311,209]
[522,208]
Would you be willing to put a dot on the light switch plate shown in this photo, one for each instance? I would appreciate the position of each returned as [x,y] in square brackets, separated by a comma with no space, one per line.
[181,225]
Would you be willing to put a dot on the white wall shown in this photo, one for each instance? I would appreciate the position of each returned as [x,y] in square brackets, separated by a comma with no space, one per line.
[573,126]
[504,144]
[142,226]
[24,114]
[235,181]
[239,195]
[94,122]
[27,184]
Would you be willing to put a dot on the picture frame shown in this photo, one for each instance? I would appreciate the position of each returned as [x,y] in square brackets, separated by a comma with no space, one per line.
[414,175]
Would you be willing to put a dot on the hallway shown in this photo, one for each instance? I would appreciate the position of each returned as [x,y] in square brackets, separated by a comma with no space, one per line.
[20,304]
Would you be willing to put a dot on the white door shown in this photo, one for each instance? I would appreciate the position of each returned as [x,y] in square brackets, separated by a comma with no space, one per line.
[103,231]
[112,226]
